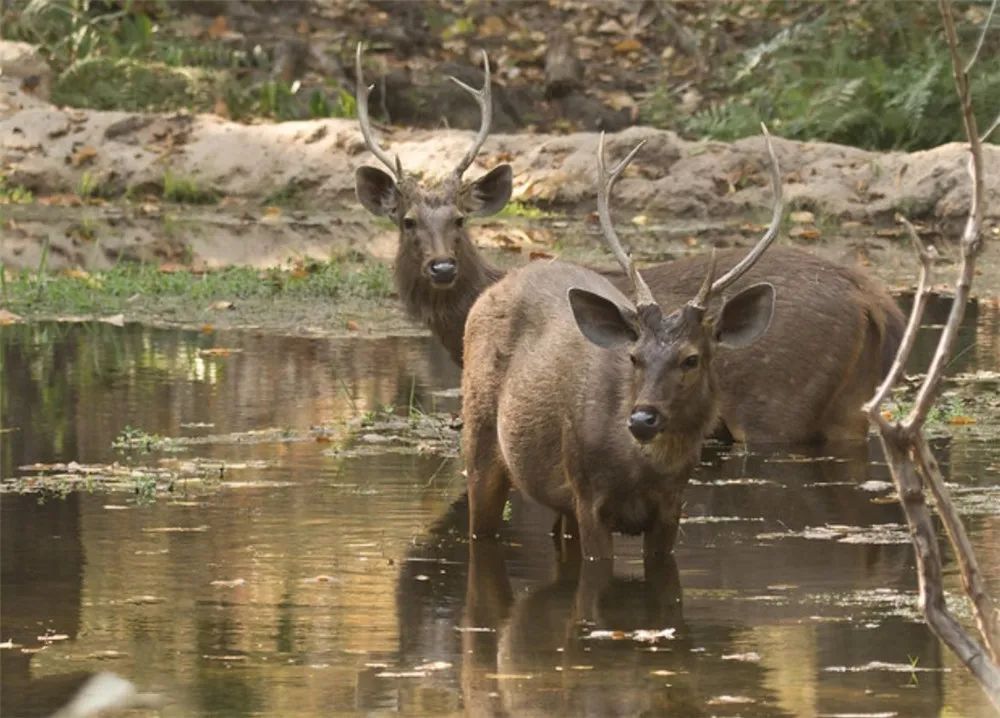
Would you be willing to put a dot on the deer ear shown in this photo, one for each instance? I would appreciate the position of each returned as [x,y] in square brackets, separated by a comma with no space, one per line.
[601,320]
[745,317]
[488,194]
[377,191]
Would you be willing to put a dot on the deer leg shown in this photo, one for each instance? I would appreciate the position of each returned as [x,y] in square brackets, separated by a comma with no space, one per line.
[659,539]
[595,537]
[594,579]
[488,481]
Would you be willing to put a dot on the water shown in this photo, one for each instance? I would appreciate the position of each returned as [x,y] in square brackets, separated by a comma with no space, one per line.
[311,582]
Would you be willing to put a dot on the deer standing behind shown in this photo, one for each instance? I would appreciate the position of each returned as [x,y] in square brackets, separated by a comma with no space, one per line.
[834,333]
[593,404]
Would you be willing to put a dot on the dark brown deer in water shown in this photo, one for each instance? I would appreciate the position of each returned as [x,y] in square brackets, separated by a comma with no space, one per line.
[833,336]
[439,273]
[594,405]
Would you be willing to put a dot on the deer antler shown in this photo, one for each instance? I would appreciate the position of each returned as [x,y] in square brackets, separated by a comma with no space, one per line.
[366,127]
[748,261]
[605,181]
[485,99]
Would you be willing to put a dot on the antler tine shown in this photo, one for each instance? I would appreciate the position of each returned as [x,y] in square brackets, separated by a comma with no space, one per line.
[605,182]
[772,231]
[485,99]
[366,127]
[700,300]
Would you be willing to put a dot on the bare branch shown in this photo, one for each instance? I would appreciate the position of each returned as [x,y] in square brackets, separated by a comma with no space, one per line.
[990,130]
[927,255]
[982,38]
[982,605]
[605,182]
[748,261]
[361,94]
[971,241]
[929,578]
[485,99]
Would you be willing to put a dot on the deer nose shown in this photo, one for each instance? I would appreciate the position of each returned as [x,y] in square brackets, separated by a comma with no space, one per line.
[442,271]
[645,423]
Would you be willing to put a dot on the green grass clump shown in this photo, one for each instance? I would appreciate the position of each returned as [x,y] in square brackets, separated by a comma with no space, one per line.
[14,193]
[516,208]
[114,289]
[186,190]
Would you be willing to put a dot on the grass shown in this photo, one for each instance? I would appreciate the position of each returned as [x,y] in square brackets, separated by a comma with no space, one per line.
[516,208]
[14,193]
[187,190]
[113,290]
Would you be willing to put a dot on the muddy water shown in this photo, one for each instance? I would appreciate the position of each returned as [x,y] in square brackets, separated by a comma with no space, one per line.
[309,580]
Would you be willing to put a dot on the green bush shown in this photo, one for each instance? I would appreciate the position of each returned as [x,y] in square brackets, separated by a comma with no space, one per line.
[875,75]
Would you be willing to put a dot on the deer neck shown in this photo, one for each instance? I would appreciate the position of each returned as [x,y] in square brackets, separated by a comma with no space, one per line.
[444,311]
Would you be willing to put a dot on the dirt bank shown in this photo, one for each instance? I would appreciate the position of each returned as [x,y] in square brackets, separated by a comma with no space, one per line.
[124,160]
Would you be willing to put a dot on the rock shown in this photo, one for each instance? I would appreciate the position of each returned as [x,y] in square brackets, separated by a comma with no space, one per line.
[24,63]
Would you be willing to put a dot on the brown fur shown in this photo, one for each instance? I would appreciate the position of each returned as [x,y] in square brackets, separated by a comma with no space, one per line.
[834,335]
[557,430]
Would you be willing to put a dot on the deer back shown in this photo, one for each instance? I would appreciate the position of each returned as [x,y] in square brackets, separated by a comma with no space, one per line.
[834,332]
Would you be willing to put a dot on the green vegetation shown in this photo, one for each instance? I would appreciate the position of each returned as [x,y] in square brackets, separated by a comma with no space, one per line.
[112,290]
[187,190]
[116,56]
[874,75]
[516,208]
[132,439]
[14,194]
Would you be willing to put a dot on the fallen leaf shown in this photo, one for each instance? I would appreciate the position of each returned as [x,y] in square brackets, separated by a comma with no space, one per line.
[222,304]
[492,26]
[961,420]
[802,217]
[217,351]
[352,326]
[172,268]
[60,200]
[611,27]
[807,233]
[629,44]
[207,328]
[537,254]
[218,28]
[83,155]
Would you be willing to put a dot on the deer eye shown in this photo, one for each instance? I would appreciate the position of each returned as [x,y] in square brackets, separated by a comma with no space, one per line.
[634,359]
[690,362]
[409,223]
[459,222]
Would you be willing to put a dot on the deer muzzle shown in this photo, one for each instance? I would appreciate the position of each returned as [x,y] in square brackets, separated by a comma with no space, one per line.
[645,423]
[442,271]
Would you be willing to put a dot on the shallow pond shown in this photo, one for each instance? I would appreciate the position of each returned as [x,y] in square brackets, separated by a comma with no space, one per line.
[282,554]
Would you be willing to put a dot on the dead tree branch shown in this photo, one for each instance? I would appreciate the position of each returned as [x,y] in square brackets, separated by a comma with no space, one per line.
[913,467]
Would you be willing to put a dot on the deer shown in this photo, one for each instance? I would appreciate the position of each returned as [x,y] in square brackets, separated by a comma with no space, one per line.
[595,404]
[833,338]
[438,273]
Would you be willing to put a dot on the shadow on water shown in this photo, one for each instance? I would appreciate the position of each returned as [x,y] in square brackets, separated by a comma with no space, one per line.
[326,583]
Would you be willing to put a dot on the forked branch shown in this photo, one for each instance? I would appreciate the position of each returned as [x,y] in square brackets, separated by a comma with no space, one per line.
[928,255]
[913,467]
